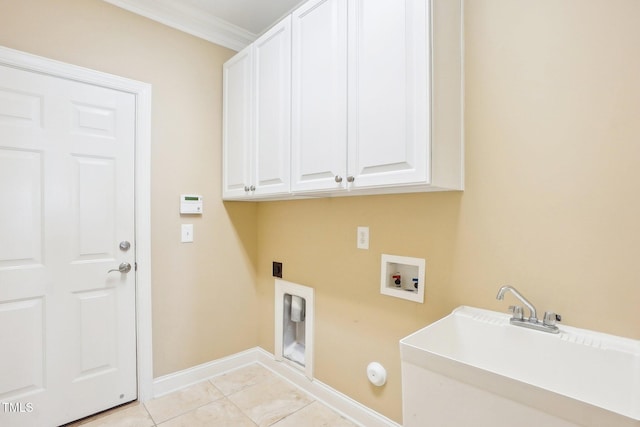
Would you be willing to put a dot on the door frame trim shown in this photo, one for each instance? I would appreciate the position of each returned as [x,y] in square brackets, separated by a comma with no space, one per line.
[142,92]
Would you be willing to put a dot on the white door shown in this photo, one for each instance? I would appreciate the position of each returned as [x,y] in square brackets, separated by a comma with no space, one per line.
[237,125]
[388,92]
[66,202]
[272,106]
[319,103]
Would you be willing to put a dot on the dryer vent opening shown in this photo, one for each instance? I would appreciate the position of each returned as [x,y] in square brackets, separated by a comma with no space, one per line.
[293,340]
[294,310]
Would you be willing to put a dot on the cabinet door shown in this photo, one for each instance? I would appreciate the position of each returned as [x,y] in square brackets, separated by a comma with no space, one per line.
[388,92]
[272,103]
[319,76]
[236,138]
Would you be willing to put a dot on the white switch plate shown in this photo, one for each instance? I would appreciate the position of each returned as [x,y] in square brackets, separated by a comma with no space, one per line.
[363,238]
[187,233]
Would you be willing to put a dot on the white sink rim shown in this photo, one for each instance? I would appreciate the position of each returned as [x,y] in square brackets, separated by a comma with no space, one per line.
[431,348]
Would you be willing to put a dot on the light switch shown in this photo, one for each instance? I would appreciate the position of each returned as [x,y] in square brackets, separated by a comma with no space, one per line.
[187,233]
[363,238]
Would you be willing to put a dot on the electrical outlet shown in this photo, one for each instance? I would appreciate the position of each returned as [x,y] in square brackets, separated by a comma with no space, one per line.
[363,238]
[277,269]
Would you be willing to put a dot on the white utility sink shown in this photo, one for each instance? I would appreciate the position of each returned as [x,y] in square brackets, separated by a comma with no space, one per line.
[474,368]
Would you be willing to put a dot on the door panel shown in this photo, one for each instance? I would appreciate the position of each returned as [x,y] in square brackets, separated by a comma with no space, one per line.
[92,200]
[66,185]
[388,92]
[97,332]
[27,346]
[272,110]
[237,124]
[319,103]
[20,109]
[20,228]
[93,121]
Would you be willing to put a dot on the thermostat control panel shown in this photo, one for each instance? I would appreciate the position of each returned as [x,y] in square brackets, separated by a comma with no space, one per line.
[190,204]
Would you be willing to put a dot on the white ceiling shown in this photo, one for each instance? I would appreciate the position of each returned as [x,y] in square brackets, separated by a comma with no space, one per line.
[253,15]
[230,23]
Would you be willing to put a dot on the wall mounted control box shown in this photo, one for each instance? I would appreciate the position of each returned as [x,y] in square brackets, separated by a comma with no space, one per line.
[190,204]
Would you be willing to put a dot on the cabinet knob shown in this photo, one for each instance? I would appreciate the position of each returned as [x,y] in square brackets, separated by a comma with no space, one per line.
[252,188]
[246,188]
[338,179]
[351,178]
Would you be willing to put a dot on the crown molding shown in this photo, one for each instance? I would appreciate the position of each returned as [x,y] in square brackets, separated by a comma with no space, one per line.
[190,19]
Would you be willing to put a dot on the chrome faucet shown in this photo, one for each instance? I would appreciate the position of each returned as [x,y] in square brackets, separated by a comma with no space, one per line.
[532,310]
[547,325]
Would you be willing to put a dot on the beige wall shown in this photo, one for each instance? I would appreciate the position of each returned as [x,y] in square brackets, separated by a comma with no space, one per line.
[551,202]
[198,287]
[551,206]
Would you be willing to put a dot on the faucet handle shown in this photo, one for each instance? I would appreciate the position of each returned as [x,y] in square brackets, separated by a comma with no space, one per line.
[517,312]
[550,318]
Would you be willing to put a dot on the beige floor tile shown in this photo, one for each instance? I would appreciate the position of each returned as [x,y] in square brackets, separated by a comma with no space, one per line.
[182,401]
[239,379]
[315,415]
[133,415]
[256,397]
[269,401]
[221,413]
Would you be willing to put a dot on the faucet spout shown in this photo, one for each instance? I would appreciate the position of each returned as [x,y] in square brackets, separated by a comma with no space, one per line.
[532,310]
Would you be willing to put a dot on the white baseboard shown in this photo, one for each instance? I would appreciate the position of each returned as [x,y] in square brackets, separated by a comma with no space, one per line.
[334,399]
[181,379]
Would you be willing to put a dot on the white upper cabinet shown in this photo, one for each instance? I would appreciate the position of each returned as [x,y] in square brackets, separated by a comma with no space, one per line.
[319,81]
[236,112]
[388,112]
[359,97]
[272,117]
[360,94]
[257,119]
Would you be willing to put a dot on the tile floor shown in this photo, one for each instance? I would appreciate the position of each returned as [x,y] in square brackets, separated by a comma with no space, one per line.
[250,396]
